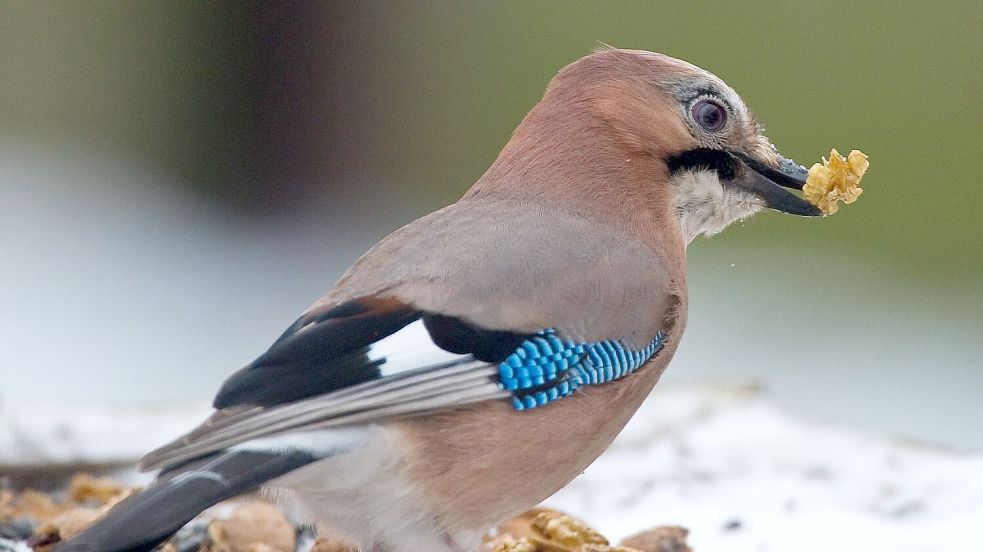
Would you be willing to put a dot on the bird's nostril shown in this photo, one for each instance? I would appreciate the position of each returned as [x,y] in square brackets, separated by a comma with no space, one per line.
[790,167]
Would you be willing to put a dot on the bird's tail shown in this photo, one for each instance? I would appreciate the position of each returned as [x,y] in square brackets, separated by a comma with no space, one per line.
[142,521]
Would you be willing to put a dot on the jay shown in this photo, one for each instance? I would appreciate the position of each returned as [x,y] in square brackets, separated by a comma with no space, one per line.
[478,359]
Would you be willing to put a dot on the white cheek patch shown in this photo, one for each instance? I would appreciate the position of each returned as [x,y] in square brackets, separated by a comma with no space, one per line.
[705,206]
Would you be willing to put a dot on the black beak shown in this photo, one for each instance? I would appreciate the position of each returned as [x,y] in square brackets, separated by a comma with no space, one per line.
[769,184]
[743,171]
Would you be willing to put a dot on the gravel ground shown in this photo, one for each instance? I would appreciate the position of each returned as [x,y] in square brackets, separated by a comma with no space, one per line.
[723,462]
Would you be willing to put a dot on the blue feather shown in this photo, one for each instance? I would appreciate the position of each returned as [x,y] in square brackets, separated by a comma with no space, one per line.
[546,368]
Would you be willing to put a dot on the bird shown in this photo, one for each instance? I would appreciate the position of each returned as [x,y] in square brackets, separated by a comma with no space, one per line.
[478,359]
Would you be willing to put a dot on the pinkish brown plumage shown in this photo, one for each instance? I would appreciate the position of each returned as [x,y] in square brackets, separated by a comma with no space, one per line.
[478,359]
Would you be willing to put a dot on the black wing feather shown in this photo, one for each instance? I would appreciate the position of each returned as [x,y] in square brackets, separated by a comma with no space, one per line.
[324,351]
[320,352]
[458,336]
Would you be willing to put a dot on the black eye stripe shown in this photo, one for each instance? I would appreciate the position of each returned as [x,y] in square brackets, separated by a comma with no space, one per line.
[724,163]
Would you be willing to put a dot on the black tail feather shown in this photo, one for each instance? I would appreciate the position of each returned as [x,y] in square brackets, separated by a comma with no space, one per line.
[141,522]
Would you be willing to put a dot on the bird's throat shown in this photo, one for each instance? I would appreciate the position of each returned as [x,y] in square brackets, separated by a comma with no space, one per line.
[703,205]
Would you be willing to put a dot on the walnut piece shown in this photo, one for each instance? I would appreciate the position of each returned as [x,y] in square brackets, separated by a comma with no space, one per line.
[565,531]
[665,538]
[834,180]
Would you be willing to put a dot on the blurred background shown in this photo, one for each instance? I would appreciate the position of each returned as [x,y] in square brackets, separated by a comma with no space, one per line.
[179,180]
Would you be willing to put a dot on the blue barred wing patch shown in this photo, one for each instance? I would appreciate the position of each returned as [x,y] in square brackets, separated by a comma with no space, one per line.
[545,368]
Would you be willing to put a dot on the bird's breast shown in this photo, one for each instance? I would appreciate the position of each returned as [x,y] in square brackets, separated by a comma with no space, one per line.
[486,462]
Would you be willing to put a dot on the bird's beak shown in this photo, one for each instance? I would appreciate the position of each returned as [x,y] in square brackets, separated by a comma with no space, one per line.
[769,183]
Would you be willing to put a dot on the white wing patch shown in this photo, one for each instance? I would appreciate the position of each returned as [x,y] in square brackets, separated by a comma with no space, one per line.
[317,443]
[409,348]
[417,377]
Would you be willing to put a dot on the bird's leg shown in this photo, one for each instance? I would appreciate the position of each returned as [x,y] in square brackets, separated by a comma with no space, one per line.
[304,537]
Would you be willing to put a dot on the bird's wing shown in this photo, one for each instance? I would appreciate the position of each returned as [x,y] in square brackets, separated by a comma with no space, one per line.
[524,267]
[432,317]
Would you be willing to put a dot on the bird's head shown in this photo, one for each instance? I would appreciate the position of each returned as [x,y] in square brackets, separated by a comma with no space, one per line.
[660,130]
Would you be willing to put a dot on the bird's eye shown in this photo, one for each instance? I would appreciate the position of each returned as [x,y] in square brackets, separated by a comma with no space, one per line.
[709,114]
